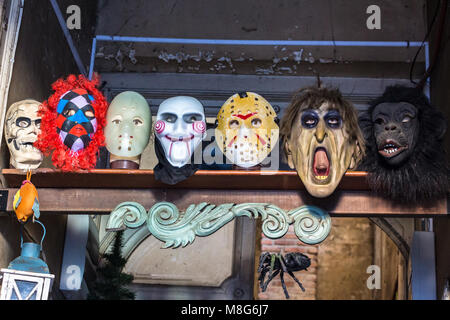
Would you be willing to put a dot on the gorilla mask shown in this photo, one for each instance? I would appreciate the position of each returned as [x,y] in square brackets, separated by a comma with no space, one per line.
[321,139]
[396,128]
[405,156]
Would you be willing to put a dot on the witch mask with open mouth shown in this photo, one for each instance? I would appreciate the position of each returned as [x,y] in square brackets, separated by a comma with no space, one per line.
[322,138]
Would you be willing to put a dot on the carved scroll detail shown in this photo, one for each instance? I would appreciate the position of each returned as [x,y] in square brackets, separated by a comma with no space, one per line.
[126,214]
[311,224]
[174,228]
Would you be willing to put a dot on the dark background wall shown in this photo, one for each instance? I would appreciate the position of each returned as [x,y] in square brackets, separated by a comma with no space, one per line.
[440,97]
[43,56]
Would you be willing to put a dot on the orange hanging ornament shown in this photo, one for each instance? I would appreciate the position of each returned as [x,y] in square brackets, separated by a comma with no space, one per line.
[26,201]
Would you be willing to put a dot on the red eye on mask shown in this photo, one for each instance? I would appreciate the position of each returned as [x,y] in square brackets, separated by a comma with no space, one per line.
[160,126]
[199,126]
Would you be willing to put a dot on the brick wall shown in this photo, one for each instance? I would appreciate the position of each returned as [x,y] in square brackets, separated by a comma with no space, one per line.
[290,243]
[338,265]
[343,259]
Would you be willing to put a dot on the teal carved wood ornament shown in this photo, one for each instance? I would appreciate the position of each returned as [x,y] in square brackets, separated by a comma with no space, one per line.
[164,221]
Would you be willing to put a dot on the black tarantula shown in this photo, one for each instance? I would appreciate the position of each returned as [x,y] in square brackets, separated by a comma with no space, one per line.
[275,264]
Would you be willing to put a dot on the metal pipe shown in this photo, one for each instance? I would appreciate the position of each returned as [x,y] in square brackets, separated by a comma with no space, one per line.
[63,25]
[91,65]
[261,42]
[16,39]
[427,65]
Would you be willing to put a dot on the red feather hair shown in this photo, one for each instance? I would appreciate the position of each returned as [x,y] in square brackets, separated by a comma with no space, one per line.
[48,140]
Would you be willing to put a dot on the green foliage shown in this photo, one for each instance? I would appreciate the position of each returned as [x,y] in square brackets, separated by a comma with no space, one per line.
[111,281]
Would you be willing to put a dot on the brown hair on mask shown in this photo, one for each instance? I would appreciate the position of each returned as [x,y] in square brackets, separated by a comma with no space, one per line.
[313,98]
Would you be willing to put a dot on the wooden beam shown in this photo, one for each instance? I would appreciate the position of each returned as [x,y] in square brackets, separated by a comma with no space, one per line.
[341,203]
[202,179]
[99,191]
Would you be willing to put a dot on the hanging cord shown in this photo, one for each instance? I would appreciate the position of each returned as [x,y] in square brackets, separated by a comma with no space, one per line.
[28,176]
[23,230]
[319,82]
[437,50]
[28,234]
[45,231]
[413,63]
[443,7]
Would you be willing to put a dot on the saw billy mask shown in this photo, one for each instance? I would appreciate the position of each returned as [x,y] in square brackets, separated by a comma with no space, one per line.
[21,130]
[246,129]
[180,127]
[127,130]
[323,139]
[72,123]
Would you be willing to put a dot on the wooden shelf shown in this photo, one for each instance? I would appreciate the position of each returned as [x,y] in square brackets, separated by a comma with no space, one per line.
[202,179]
[99,191]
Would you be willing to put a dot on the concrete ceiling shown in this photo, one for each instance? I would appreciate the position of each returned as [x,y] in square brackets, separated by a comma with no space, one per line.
[401,20]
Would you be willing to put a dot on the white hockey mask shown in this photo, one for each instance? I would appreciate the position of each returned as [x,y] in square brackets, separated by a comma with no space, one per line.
[180,127]
[21,130]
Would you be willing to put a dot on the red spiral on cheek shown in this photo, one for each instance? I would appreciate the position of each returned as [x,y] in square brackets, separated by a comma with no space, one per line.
[160,126]
[199,126]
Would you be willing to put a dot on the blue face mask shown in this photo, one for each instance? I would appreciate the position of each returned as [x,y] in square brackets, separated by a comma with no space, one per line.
[76,122]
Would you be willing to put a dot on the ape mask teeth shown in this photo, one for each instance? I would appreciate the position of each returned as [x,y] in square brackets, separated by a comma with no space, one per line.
[321,165]
[389,149]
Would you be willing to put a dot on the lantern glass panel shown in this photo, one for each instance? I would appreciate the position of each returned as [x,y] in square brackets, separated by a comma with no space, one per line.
[23,289]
